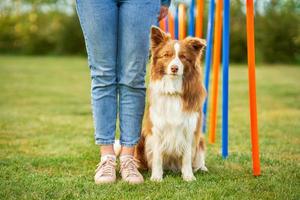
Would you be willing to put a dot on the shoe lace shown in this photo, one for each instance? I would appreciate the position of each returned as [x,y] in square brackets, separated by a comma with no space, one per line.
[106,167]
[129,167]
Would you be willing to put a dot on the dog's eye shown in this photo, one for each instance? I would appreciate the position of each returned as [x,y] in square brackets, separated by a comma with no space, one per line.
[183,57]
[167,54]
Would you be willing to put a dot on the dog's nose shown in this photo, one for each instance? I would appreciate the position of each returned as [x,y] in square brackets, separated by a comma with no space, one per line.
[174,68]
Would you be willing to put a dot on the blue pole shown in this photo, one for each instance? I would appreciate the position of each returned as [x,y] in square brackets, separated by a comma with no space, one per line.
[209,39]
[176,24]
[226,27]
[192,19]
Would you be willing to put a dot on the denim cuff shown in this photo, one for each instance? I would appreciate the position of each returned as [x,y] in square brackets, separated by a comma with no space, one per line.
[129,144]
[104,142]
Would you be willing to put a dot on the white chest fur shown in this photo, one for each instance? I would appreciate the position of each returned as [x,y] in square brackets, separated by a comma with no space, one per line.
[171,126]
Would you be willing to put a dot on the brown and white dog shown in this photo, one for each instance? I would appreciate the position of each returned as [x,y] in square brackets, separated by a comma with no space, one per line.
[171,136]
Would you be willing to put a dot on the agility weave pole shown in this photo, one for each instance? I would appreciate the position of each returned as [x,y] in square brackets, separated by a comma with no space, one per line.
[171,25]
[176,26]
[225,83]
[162,24]
[182,21]
[208,54]
[252,87]
[199,18]
[192,19]
[216,69]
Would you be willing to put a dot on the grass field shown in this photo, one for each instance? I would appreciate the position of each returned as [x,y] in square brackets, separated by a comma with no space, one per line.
[48,151]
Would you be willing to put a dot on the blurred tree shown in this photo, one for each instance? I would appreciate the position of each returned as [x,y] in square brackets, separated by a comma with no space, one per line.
[52,27]
[70,35]
[278,30]
[238,43]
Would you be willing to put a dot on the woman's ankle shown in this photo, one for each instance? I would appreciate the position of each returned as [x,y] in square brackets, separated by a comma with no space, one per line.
[107,150]
[127,151]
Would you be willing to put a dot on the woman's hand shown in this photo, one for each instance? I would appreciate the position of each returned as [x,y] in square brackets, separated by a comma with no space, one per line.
[163,12]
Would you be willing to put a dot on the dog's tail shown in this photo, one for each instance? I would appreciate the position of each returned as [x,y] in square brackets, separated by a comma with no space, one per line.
[139,153]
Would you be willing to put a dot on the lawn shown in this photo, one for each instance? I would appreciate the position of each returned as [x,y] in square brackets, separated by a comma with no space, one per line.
[48,150]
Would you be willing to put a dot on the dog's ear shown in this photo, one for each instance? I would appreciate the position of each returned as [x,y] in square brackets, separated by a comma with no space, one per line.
[196,44]
[158,37]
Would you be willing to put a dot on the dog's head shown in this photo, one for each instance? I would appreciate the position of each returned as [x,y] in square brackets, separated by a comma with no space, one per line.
[172,58]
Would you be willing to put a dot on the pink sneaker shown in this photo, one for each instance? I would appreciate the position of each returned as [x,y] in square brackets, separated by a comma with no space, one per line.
[129,171]
[106,170]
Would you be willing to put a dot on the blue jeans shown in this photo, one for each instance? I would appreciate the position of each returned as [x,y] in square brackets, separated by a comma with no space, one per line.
[116,34]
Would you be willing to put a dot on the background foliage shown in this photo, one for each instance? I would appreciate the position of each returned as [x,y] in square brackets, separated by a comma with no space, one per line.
[52,27]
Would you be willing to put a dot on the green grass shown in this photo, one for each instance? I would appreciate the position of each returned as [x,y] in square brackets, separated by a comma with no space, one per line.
[48,150]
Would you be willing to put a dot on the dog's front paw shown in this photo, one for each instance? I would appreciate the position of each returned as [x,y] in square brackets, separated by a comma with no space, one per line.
[203,168]
[189,177]
[200,167]
[156,178]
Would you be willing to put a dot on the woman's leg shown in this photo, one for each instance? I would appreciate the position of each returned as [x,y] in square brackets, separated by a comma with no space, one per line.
[135,20]
[99,21]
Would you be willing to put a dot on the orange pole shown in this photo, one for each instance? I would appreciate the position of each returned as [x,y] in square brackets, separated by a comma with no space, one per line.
[252,87]
[216,66]
[171,25]
[199,19]
[162,24]
[182,21]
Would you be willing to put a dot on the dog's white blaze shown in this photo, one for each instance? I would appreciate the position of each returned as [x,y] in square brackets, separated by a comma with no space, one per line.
[177,48]
[176,61]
